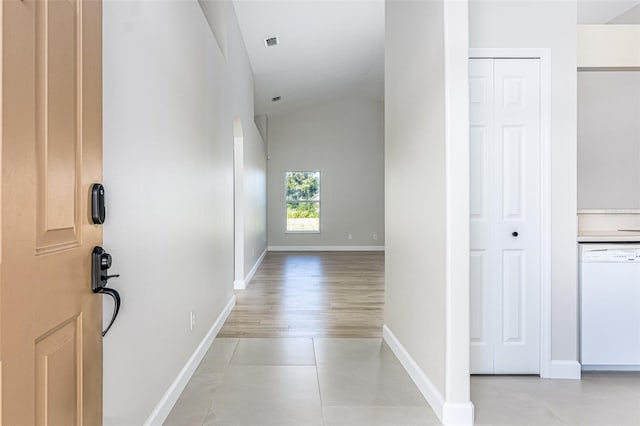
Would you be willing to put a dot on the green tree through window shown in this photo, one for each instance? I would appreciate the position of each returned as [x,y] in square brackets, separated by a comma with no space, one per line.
[303,201]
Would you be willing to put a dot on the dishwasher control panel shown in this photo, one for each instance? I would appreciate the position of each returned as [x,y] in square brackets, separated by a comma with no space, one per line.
[620,255]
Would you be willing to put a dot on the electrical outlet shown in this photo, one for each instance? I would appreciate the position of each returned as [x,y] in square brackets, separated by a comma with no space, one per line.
[349,237]
[375,236]
[192,320]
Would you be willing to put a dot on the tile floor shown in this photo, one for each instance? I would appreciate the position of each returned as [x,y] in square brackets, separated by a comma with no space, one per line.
[598,399]
[300,382]
[353,382]
[302,348]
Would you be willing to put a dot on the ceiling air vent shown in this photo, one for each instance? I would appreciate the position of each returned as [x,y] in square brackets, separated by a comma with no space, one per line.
[271,41]
[276,99]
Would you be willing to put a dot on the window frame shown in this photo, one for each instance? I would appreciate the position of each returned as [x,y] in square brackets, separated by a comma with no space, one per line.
[318,201]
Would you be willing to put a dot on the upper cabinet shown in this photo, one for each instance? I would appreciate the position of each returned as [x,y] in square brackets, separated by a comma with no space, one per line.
[608,46]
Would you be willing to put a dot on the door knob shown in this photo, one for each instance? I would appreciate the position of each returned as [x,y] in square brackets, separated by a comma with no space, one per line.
[514,234]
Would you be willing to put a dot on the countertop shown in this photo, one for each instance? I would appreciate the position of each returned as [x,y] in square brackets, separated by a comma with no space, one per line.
[609,237]
[609,226]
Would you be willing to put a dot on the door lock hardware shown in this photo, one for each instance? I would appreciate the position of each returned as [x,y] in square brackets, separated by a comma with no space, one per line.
[100,263]
[98,211]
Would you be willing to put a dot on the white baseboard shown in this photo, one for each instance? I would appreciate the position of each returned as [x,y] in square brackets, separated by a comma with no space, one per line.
[326,248]
[457,413]
[449,413]
[564,370]
[425,386]
[610,367]
[168,400]
[242,284]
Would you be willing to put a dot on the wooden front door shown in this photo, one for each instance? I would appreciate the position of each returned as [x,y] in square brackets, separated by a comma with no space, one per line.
[51,140]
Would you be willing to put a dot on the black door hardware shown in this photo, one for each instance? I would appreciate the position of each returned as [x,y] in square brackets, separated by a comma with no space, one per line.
[98,210]
[100,264]
[514,234]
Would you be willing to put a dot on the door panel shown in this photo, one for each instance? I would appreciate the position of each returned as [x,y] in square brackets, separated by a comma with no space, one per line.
[50,321]
[478,265]
[480,313]
[483,211]
[478,153]
[509,235]
[517,123]
[58,63]
[512,173]
[512,296]
[58,356]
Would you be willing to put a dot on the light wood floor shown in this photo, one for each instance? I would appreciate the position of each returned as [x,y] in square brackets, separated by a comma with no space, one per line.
[311,294]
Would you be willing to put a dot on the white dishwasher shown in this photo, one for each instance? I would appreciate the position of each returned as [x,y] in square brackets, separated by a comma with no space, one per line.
[610,306]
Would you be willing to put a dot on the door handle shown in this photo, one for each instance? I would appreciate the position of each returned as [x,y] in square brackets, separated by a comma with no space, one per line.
[100,263]
[116,299]
[514,234]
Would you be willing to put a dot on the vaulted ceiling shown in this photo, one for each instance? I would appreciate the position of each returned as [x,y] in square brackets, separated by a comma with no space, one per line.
[604,11]
[330,49]
[327,49]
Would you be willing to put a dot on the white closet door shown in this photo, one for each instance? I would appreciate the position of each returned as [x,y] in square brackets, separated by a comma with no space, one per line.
[482,260]
[505,216]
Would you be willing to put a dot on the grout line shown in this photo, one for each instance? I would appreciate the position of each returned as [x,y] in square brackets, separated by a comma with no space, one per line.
[225,370]
[206,413]
[235,349]
[315,360]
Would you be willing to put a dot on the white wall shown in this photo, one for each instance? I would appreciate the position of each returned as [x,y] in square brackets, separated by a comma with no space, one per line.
[415,177]
[427,200]
[255,198]
[344,141]
[537,24]
[219,14]
[170,98]
[608,140]
[262,123]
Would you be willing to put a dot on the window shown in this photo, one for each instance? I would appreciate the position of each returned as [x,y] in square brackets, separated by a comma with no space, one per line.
[302,195]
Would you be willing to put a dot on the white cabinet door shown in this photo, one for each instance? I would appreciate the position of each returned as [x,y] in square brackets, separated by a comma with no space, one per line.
[505,215]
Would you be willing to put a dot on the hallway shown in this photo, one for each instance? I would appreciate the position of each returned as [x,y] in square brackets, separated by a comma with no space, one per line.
[302,347]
